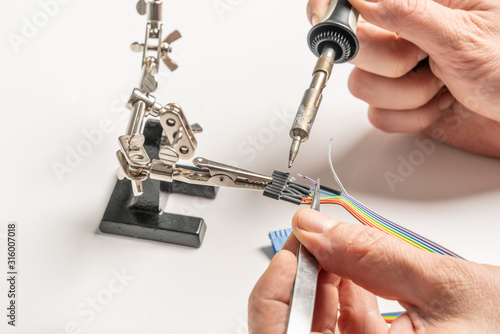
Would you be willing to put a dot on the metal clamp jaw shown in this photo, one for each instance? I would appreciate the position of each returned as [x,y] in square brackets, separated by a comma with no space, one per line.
[216,174]
[209,173]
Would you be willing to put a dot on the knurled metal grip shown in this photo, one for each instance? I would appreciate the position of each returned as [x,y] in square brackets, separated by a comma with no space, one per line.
[338,29]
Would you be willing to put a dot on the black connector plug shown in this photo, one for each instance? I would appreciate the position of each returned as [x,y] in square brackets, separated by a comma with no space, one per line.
[282,188]
[278,184]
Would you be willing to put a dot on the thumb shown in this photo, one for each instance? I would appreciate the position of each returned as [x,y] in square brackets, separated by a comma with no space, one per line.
[316,10]
[426,23]
[372,259]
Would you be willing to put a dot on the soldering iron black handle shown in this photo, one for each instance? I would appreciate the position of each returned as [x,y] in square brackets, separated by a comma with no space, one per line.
[339,30]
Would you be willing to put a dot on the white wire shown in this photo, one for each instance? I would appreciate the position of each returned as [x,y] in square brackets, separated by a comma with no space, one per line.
[333,169]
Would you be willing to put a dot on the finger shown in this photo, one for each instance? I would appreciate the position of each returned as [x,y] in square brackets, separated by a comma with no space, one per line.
[359,312]
[385,53]
[464,129]
[372,259]
[411,121]
[425,23]
[326,305]
[291,244]
[316,10]
[402,325]
[268,302]
[410,91]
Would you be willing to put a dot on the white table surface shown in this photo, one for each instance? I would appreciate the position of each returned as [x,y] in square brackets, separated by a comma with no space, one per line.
[242,74]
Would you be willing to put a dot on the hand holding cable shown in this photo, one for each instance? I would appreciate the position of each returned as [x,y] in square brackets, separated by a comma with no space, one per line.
[441,294]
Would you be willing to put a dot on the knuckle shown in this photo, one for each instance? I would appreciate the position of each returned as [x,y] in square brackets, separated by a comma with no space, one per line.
[355,82]
[422,87]
[406,8]
[323,252]
[393,12]
[378,119]
[435,68]
[424,118]
[453,276]
[364,241]
[400,67]
[467,31]
[467,46]
[455,286]
[422,123]
[257,309]
[404,59]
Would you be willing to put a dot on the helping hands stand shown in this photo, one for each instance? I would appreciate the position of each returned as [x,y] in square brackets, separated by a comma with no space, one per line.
[136,211]
[149,154]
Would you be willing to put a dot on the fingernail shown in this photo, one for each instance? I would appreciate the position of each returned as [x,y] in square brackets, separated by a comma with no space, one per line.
[315,222]
[446,100]
[314,19]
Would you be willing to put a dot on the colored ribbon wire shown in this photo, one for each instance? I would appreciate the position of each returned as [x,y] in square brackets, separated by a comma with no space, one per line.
[370,218]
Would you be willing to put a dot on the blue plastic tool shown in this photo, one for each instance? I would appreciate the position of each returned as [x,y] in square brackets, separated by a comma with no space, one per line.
[278,238]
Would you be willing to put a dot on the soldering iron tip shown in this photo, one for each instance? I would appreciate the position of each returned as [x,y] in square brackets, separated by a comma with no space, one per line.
[294,150]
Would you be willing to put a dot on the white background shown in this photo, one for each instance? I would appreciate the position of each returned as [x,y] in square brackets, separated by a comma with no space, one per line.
[239,69]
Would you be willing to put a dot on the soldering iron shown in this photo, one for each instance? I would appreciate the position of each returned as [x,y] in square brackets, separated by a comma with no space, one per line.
[333,40]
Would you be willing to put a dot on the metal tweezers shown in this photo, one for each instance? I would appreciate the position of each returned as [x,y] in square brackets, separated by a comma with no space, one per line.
[302,299]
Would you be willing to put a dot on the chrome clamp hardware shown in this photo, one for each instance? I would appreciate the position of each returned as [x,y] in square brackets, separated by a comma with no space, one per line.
[178,140]
[179,134]
[157,137]
[216,174]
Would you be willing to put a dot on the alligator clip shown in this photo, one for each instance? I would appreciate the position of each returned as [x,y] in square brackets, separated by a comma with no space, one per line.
[216,174]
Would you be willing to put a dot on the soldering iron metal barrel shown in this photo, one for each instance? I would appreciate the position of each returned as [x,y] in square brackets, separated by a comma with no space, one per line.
[311,100]
[334,41]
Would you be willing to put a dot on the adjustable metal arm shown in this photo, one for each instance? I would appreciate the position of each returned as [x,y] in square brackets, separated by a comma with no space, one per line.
[150,151]
[179,141]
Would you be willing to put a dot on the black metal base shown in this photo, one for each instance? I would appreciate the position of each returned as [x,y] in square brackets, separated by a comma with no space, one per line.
[142,217]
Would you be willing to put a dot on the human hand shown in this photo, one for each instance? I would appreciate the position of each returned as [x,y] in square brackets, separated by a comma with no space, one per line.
[269,300]
[454,96]
[441,294]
